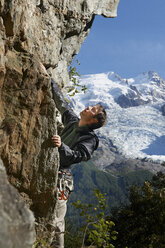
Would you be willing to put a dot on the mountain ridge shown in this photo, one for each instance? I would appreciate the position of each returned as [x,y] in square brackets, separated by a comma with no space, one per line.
[135,128]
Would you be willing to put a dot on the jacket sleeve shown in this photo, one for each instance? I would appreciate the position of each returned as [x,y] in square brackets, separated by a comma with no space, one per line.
[62,105]
[69,156]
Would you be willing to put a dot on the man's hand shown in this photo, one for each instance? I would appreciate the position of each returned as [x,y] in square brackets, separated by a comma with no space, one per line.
[56,139]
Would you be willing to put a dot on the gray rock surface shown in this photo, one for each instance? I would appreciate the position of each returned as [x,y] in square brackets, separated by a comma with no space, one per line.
[52,30]
[130,100]
[34,31]
[163,109]
[108,158]
[16,220]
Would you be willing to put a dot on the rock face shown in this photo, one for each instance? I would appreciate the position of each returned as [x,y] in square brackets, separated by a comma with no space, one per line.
[137,96]
[130,100]
[16,221]
[52,30]
[163,110]
[34,31]
[27,124]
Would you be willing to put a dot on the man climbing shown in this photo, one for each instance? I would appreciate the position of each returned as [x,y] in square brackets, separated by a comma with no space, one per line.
[76,143]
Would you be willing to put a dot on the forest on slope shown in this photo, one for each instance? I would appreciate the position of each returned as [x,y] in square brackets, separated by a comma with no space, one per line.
[139,224]
[87,178]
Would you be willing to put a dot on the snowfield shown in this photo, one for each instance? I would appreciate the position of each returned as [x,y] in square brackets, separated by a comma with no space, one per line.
[138,128]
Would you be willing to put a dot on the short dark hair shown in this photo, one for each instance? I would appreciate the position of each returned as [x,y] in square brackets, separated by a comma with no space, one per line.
[101,117]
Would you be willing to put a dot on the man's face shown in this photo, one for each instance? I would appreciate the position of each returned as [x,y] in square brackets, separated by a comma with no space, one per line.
[89,113]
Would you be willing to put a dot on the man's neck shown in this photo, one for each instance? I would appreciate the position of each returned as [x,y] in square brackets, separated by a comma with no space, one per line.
[82,123]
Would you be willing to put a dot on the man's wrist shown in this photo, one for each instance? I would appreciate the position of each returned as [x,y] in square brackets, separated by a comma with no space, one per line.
[61,146]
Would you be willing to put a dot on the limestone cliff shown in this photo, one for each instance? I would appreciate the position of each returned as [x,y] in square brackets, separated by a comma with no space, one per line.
[34,31]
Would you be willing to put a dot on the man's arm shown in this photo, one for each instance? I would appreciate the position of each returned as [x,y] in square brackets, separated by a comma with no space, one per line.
[58,97]
[82,152]
[64,108]
[69,156]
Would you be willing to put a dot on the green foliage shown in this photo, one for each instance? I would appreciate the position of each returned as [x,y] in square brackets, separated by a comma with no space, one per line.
[142,223]
[40,244]
[98,228]
[73,239]
[74,78]
[87,177]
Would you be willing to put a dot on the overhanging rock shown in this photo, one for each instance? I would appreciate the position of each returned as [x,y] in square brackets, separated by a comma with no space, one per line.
[34,31]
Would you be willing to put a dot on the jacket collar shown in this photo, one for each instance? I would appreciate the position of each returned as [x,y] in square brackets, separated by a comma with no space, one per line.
[86,130]
[83,129]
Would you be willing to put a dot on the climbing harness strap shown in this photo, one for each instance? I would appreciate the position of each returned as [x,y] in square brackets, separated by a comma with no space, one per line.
[65,184]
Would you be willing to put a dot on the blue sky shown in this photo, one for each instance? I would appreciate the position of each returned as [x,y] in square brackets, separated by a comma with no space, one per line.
[131,43]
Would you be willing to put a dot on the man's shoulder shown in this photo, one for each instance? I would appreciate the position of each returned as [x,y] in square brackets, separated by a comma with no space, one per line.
[69,117]
[90,138]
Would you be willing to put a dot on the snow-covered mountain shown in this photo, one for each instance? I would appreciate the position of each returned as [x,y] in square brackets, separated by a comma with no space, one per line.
[135,108]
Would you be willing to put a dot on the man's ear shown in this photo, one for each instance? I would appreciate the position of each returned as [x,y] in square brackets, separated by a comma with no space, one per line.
[95,120]
[92,121]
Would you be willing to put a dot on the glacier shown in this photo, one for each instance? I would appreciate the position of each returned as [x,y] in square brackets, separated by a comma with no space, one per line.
[135,125]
